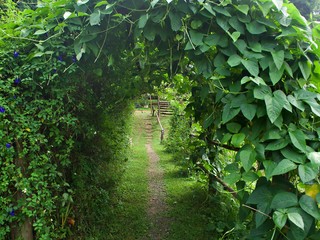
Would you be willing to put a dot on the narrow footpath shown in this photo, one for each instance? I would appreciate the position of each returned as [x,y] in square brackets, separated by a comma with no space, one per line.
[157,207]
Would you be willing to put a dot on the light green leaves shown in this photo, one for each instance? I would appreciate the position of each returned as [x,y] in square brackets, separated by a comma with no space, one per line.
[278,58]
[81,2]
[247,156]
[278,4]
[298,139]
[275,104]
[95,17]
[143,20]
[234,60]
[314,158]
[296,219]
[251,66]
[274,107]
[248,110]
[305,69]
[307,172]
[280,218]
[283,167]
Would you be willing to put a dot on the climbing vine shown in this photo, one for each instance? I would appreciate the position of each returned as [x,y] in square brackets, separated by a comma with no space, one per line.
[253,67]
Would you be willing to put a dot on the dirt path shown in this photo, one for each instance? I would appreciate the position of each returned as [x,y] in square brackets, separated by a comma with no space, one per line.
[157,207]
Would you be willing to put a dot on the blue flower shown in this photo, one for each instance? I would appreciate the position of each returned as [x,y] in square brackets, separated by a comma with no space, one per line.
[15,54]
[74,58]
[60,58]
[2,109]
[8,145]
[11,213]
[17,81]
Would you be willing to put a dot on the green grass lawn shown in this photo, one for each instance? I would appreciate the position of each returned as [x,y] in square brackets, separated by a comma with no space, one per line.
[129,220]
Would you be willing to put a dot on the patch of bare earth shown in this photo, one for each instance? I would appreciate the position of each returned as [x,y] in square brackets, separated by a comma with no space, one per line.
[157,207]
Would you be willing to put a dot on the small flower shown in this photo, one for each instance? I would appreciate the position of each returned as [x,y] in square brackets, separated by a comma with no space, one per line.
[2,109]
[8,145]
[11,213]
[17,81]
[74,58]
[54,70]
[15,54]
[60,58]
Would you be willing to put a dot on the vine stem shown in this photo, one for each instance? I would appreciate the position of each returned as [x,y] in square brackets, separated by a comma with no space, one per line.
[256,210]
[103,43]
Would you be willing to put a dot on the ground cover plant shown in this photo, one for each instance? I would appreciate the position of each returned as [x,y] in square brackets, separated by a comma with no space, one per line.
[253,68]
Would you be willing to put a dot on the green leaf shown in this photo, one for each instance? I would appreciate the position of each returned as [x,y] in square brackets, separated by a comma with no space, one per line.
[208,7]
[251,66]
[298,139]
[298,104]
[234,127]
[275,74]
[232,178]
[278,58]
[292,155]
[274,107]
[234,60]
[234,36]
[269,166]
[237,139]
[309,206]
[280,218]
[81,2]
[260,195]
[196,37]
[283,167]
[249,176]
[95,17]
[40,32]
[247,156]
[143,20]
[175,21]
[228,113]
[284,200]
[278,4]
[260,218]
[195,24]
[277,145]
[307,172]
[67,14]
[248,110]
[242,8]
[153,3]
[314,158]
[259,92]
[255,28]
[296,219]
[281,97]
[305,69]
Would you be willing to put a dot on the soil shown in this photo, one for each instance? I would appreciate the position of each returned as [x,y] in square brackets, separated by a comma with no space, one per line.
[157,208]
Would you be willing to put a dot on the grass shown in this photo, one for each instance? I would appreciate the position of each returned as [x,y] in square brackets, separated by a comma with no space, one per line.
[129,219]
[195,214]
[186,197]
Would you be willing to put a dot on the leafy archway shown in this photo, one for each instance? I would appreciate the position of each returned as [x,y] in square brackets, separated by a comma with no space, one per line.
[254,67]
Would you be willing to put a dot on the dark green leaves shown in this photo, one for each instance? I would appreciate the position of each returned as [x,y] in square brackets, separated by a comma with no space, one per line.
[255,28]
[175,21]
[309,206]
